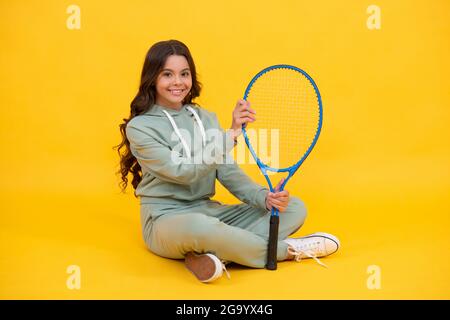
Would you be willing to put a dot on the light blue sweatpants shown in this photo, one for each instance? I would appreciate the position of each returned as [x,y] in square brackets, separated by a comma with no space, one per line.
[235,233]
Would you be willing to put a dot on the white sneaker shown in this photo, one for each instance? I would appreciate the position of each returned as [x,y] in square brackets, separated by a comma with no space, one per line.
[314,246]
[206,267]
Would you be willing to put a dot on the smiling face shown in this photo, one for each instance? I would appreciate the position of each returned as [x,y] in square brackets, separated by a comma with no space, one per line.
[174,82]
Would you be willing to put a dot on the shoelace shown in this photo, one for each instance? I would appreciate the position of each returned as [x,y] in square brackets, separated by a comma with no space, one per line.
[225,269]
[298,252]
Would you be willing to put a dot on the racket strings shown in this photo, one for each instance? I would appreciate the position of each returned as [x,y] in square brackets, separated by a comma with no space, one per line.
[287,113]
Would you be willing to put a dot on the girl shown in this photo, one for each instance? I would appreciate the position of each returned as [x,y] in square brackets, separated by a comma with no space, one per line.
[162,138]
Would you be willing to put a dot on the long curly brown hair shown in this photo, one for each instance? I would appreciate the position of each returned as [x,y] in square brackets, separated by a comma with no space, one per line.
[145,98]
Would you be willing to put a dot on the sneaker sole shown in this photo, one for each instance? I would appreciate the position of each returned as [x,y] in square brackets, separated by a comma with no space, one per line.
[202,266]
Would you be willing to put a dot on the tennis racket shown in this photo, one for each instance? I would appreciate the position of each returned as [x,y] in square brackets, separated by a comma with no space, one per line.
[289,111]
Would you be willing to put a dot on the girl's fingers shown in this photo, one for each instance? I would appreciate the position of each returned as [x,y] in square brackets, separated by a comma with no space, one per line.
[277,188]
[281,200]
[281,194]
[249,110]
[246,114]
[244,120]
[242,104]
[253,118]
[280,209]
[277,202]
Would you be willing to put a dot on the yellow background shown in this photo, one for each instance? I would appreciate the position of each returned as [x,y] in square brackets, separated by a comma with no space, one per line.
[378,177]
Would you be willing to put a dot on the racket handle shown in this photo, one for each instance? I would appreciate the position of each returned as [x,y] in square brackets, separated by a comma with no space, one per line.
[273,243]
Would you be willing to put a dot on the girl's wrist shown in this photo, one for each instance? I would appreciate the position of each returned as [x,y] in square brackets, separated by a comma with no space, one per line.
[236,133]
[231,133]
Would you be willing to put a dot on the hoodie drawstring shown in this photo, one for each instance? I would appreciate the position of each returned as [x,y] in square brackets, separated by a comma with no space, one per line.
[177,131]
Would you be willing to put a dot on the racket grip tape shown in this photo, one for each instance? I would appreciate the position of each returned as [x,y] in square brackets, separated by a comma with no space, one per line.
[273,243]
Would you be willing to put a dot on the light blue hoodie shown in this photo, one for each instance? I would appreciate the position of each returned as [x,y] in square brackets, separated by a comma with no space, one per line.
[172,176]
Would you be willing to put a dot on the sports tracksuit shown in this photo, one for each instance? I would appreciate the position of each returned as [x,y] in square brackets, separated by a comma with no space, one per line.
[177,213]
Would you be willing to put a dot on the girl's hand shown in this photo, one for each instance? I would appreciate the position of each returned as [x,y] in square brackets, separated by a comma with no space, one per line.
[279,200]
[242,113]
